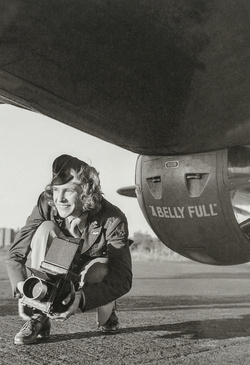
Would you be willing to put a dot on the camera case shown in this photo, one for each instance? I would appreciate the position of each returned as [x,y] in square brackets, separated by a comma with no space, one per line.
[56,278]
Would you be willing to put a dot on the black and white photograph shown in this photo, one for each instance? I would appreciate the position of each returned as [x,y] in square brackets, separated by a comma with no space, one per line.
[125,182]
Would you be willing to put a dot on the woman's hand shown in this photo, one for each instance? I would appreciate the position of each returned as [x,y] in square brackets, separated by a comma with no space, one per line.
[23,311]
[72,309]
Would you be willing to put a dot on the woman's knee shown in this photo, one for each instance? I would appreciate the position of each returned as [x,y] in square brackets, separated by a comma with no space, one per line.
[41,241]
[45,234]
[47,227]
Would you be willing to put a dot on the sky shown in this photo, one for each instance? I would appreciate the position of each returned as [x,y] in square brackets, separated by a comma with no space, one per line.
[29,143]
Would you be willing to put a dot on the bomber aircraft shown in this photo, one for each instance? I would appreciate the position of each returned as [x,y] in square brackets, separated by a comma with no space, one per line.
[167,79]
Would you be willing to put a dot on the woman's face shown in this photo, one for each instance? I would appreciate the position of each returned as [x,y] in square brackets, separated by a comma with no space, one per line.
[67,200]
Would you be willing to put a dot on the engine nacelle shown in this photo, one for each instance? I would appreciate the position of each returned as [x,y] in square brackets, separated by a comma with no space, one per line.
[199,205]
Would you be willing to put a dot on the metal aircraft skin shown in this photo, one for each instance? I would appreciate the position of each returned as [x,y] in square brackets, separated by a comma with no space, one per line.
[155,77]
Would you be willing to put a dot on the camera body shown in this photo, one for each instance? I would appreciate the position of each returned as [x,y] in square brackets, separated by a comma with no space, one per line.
[56,278]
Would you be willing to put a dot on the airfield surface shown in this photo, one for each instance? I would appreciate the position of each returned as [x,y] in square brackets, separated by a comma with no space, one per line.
[176,313]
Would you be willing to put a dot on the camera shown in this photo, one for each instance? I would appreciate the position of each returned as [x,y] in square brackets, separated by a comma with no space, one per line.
[57,277]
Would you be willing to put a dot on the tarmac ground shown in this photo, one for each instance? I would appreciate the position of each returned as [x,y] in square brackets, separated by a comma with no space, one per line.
[176,313]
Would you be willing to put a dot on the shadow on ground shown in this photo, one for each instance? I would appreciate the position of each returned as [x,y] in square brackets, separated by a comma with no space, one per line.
[213,329]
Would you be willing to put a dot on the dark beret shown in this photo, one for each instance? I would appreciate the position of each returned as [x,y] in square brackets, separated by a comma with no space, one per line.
[61,168]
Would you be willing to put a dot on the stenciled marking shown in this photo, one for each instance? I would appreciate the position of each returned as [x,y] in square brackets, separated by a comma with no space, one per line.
[191,211]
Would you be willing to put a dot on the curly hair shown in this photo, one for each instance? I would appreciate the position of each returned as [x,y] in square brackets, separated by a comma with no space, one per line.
[88,178]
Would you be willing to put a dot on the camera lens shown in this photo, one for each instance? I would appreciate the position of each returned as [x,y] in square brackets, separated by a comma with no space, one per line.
[37,290]
[34,288]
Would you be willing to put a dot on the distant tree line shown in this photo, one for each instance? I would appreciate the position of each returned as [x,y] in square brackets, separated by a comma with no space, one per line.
[146,247]
[6,236]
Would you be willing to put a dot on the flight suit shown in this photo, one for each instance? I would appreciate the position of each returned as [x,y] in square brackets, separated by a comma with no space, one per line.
[105,235]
